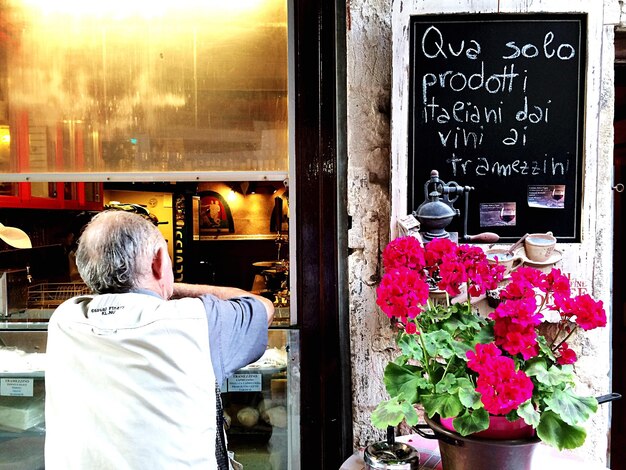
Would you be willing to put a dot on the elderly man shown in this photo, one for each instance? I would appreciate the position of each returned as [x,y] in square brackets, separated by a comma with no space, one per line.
[131,374]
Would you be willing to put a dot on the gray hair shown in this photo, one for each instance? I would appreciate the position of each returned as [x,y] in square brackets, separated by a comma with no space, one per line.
[115,251]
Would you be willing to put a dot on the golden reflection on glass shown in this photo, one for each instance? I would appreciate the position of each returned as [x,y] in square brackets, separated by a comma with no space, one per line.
[144,86]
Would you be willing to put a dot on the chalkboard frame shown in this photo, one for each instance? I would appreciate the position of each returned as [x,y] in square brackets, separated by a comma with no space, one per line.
[564,222]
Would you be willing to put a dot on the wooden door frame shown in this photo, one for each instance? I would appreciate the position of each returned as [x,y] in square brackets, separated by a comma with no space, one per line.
[617,447]
[321,245]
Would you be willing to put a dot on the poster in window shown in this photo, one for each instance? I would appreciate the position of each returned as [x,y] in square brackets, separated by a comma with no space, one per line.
[215,215]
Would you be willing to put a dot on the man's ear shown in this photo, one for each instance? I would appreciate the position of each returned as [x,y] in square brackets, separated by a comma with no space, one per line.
[159,263]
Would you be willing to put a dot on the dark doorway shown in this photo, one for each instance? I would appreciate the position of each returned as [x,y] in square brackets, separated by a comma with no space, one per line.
[618,419]
[326,413]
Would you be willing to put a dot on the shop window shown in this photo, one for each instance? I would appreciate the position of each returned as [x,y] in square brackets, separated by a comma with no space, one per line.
[137,87]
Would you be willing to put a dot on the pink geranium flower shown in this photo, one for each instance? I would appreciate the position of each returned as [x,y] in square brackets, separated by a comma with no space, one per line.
[404,252]
[567,356]
[436,251]
[502,387]
[586,312]
[557,283]
[481,357]
[448,347]
[514,326]
[402,293]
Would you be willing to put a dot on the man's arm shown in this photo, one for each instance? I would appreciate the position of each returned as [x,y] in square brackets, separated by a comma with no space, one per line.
[224,293]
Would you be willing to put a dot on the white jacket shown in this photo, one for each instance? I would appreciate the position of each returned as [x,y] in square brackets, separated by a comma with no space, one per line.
[129,385]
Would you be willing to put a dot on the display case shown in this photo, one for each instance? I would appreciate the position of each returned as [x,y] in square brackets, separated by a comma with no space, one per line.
[260,401]
[22,395]
[261,414]
[22,429]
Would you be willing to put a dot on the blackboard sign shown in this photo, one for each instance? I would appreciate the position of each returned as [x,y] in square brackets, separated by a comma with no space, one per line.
[497,103]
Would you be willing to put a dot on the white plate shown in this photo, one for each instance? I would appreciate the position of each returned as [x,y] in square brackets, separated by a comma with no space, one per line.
[554,258]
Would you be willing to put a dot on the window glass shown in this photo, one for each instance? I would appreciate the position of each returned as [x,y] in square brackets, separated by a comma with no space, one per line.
[125,86]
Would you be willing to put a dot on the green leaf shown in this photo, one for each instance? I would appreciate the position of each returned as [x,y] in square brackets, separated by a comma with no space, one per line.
[484,336]
[401,360]
[410,347]
[446,385]
[458,323]
[570,407]
[468,395]
[437,344]
[460,349]
[528,412]
[442,313]
[461,321]
[558,375]
[443,404]
[405,380]
[555,432]
[545,348]
[471,422]
[392,412]
[512,416]
[555,375]
[537,368]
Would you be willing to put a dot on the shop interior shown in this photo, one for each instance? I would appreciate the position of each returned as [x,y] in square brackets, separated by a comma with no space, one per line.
[243,243]
[236,235]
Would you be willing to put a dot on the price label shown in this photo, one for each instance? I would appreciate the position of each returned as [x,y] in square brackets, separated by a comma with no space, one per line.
[244,383]
[16,387]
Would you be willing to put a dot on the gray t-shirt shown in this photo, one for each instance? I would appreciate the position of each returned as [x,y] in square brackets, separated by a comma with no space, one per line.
[237,333]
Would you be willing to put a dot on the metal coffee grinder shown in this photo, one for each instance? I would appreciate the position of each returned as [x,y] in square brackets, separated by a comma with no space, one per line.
[437,211]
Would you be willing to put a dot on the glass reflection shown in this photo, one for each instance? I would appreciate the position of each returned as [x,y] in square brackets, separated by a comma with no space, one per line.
[132,86]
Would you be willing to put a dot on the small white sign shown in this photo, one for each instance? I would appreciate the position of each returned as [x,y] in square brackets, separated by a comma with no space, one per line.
[244,383]
[409,226]
[16,387]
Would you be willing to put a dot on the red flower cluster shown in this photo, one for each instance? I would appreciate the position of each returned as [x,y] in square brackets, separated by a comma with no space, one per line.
[513,357]
[566,355]
[515,320]
[501,386]
[437,251]
[467,265]
[514,326]
[586,312]
[404,252]
[402,293]
[409,266]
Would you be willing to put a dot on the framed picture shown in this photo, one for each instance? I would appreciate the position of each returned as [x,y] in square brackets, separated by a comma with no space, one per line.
[215,216]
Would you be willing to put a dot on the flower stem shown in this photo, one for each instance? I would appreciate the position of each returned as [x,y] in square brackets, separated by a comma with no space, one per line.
[558,333]
[554,348]
[426,363]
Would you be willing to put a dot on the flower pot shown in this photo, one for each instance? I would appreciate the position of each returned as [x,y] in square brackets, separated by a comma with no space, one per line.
[499,428]
[473,453]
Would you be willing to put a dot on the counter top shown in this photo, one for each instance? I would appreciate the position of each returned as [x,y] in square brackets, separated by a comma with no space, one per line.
[25,323]
[231,237]
[543,457]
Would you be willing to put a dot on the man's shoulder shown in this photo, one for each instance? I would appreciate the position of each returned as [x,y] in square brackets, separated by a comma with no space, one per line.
[188,306]
[244,302]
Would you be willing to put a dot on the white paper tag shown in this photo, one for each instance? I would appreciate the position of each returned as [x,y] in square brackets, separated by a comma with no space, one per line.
[409,226]
[16,387]
[244,383]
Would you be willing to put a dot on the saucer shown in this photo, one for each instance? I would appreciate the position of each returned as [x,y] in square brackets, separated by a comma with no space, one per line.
[553,259]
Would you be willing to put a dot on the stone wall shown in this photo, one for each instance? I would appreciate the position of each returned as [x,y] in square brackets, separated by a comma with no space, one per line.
[369,115]
[373,184]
